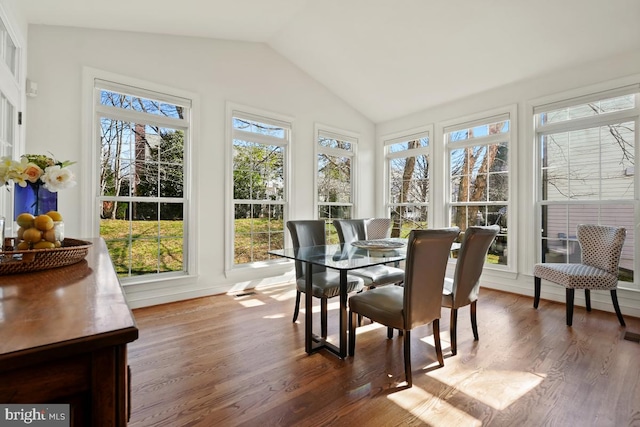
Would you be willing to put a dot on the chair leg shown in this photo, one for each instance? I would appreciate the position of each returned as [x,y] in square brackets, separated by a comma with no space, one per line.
[352,332]
[453,331]
[296,310]
[407,357]
[570,295]
[616,306]
[436,340]
[587,298]
[536,294]
[474,322]
[323,317]
[389,332]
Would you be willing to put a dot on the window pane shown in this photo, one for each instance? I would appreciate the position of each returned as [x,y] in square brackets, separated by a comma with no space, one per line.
[334,143]
[407,218]
[479,131]
[591,109]
[409,179]
[170,253]
[334,179]
[408,183]
[134,103]
[589,164]
[259,128]
[409,145]
[258,229]
[258,171]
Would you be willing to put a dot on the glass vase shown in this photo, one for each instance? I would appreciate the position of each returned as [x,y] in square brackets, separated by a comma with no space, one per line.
[34,199]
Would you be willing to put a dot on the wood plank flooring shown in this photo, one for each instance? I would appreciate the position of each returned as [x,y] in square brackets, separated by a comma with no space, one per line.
[239,361]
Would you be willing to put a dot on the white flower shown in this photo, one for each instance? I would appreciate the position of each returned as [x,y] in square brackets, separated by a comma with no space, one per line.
[12,171]
[56,178]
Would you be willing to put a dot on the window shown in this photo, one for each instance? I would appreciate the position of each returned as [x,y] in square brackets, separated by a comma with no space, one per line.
[478,153]
[408,163]
[260,147]
[143,140]
[11,93]
[8,123]
[8,50]
[335,187]
[586,161]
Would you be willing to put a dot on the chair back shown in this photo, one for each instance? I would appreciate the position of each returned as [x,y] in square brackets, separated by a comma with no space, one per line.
[471,259]
[425,268]
[306,233]
[601,246]
[350,230]
[378,228]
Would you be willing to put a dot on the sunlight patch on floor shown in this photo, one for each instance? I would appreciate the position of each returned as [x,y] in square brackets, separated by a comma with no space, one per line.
[366,327]
[432,411]
[274,316]
[253,302]
[495,388]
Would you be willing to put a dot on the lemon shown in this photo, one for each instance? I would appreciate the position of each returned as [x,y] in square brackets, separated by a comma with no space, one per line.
[22,246]
[43,222]
[32,235]
[25,220]
[20,233]
[44,245]
[55,215]
[50,235]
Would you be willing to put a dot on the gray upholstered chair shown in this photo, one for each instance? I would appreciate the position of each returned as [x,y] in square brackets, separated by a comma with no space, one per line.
[351,230]
[601,247]
[463,289]
[325,282]
[418,301]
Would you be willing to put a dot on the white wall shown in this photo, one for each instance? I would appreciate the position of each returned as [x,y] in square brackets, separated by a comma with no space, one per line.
[250,74]
[588,78]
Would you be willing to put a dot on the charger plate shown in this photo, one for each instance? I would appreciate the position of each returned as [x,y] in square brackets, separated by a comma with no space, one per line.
[378,245]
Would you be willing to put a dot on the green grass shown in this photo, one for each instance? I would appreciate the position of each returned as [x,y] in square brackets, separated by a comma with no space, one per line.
[146,253]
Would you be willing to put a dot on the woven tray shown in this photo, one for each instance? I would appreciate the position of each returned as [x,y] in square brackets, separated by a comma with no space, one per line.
[71,251]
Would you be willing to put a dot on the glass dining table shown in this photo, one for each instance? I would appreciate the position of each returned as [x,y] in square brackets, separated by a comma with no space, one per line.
[344,258]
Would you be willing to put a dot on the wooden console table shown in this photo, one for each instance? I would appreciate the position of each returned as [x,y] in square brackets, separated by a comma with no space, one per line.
[63,339]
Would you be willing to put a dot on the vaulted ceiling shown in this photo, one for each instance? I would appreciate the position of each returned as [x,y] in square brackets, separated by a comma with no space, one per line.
[386,58]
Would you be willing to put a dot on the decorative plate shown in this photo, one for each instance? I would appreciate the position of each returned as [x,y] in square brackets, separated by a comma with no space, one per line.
[379,245]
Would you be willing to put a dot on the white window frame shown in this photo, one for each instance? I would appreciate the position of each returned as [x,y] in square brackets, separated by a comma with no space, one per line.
[263,116]
[90,223]
[491,116]
[583,96]
[399,137]
[12,91]
[329,132]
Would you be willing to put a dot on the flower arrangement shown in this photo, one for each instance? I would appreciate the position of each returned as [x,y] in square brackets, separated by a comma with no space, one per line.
[37,169]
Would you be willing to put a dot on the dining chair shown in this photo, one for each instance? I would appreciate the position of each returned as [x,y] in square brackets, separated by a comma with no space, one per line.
[325,283]
[418,301]
[463,289]
[601,247]
[351,230]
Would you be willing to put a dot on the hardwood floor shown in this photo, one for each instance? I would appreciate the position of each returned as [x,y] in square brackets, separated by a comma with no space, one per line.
[227,361]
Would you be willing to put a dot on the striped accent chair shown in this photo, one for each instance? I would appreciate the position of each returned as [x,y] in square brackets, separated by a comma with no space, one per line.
[601,248]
